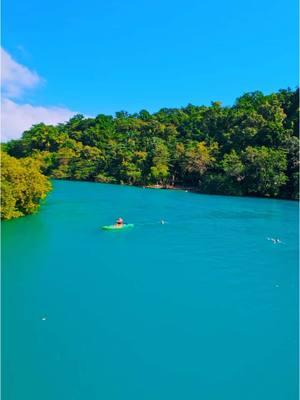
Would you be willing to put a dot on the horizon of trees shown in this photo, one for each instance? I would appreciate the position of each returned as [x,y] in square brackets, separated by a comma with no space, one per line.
[250,148]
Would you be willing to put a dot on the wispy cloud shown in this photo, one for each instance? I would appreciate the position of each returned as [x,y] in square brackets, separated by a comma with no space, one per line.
[16,78]
[17,116]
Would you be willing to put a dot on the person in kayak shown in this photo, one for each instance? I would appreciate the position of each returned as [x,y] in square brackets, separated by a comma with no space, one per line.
[119,223]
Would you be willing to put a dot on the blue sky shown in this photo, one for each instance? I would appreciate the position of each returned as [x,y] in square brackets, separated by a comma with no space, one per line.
[101,57]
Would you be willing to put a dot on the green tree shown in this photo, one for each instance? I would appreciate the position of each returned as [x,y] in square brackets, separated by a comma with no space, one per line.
[159,171]
[198,158]
[233,166]
[264,170]
[22,186]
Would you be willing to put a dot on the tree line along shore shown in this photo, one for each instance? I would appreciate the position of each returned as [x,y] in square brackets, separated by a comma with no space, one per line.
[248,149]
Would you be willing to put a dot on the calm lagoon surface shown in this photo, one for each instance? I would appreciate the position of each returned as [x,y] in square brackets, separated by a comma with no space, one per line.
[202,307]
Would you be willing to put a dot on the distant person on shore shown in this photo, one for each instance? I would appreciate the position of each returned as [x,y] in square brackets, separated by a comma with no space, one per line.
[119,223]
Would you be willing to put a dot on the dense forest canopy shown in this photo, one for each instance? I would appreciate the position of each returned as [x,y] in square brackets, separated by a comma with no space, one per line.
[22,186]
[250,148]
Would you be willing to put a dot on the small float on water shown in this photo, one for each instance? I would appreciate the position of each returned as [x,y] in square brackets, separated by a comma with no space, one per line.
[116,227]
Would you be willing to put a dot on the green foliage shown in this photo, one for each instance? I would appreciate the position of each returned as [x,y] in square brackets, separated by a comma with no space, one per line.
[251,148]
[22,186]
[159,171]
[264,170]
[198,158]
[233,166]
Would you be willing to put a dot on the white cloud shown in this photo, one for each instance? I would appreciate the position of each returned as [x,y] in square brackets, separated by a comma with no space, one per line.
[16,118]
[16,78]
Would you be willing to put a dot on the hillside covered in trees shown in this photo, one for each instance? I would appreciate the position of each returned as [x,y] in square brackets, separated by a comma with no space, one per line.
[22,186]
[250,148]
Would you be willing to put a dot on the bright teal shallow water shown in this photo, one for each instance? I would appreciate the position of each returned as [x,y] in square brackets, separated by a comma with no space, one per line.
[204,307]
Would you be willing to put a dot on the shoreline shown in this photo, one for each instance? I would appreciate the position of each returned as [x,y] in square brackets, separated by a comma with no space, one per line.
[169,187]
[190,189]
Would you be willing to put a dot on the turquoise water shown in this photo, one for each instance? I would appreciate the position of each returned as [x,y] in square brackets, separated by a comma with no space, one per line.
[203,307]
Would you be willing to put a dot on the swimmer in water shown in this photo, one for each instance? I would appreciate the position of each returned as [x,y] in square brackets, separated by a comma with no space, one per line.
[274,241]
[162,222]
